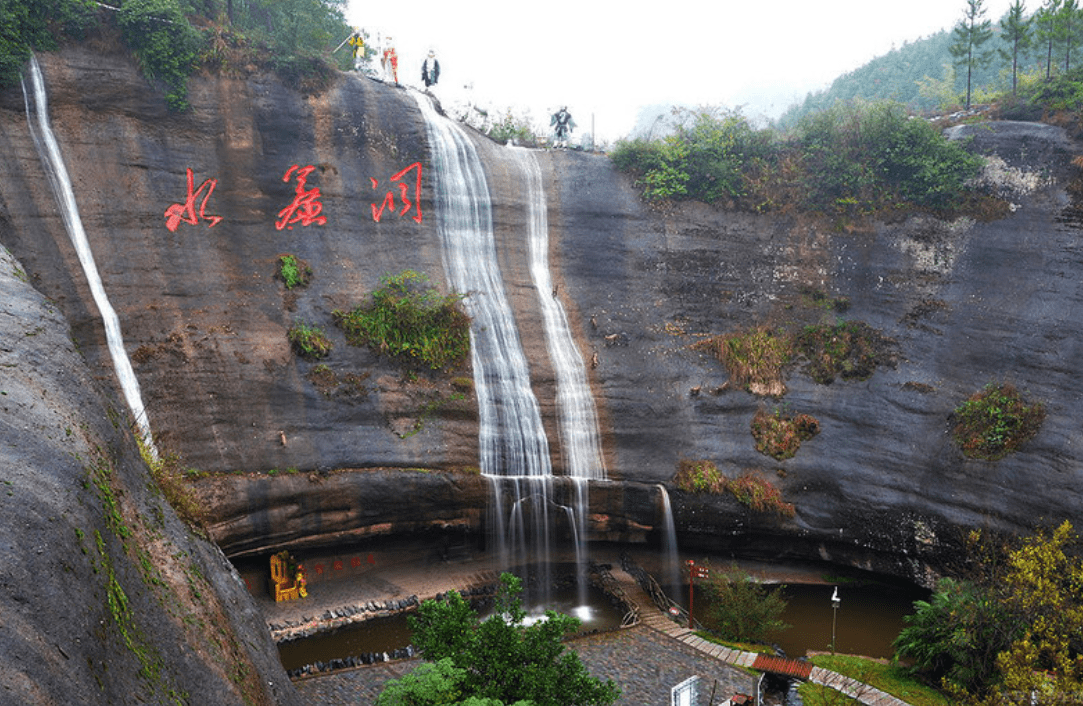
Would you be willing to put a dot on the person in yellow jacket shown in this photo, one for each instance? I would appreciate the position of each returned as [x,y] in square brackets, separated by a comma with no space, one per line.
[357,41]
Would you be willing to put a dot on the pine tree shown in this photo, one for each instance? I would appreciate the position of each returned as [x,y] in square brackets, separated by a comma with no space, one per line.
[1015,31]
[967,39]
[1048,29]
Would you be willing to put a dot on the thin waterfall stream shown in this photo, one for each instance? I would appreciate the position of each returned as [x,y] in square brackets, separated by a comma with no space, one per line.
[57,173]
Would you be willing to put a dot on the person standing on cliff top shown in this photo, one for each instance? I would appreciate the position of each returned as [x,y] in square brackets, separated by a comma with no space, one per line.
[357,41]
[391,62]
[430,70]
[563,124]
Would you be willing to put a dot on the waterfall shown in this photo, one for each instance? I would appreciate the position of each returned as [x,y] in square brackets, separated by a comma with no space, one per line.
[578,416]
[575,402]
[57,173]
[672,577]
[513,449]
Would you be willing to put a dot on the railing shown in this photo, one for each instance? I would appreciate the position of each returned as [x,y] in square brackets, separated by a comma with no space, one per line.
[654,590]
[612,587]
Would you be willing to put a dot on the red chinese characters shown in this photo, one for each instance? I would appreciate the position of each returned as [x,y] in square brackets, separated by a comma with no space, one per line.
[186,212]
[404,194]
[306,206]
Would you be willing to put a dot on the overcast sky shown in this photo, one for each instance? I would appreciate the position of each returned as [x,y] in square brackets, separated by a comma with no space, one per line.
[605,58]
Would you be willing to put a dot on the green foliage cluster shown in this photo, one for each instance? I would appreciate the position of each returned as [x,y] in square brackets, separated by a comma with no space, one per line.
[750,489]
[743,609]
[292,37]
[499,660]
[706,158]
[310,342]
[850,158]
[1013,626]
[755,360]
[849,349]
[28,25]
[995,421]
[871,156]
[293,271]
[779,434]
[509,127]
[408,319]
[164,43]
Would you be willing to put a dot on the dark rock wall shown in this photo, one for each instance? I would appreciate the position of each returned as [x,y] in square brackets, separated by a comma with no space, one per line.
[881,486]
[106,598]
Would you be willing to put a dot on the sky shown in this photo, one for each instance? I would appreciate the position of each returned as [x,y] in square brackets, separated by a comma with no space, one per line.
[605,59]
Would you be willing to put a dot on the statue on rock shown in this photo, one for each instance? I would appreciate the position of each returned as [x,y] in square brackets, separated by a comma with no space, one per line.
[430,70]
[562,124]
[391,62]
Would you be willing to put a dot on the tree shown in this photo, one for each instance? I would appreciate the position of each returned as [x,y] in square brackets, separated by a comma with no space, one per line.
[433,684]
[1047,23]
[1015,32]
[1044,583]
[1013,631]
[956,635]
[744,610]
[967,39]
[502,658]
[1069,29]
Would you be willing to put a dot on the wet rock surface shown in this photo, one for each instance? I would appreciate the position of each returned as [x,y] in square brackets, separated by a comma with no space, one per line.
[204,319]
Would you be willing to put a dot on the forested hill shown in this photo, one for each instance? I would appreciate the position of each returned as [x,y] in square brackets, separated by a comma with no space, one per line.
[923,75]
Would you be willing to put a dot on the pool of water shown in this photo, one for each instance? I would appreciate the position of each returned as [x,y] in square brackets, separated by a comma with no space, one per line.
[869,617]
[387,634]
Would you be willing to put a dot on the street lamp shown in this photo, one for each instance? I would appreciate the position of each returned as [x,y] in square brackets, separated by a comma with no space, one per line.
[834,616]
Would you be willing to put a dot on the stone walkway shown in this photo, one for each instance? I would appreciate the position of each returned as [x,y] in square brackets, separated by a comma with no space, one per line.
[655,619]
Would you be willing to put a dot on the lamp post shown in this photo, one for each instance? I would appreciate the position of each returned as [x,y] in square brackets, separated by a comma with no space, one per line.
[834,616]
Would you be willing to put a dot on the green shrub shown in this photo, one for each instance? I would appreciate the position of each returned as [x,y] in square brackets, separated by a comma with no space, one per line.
[755,359]
[409,320]
[850,349]
[779,434]
[699,477]
[28,25]
[294,272]
[164,43]
[309,341]
[995,421]
[743,609]
[749,488]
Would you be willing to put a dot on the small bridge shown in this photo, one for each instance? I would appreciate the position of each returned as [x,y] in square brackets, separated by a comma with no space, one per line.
[653,617]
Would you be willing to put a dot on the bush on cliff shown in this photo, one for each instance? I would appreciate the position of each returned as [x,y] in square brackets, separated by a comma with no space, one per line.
[995,421]
[32,25]
[412,321]
[851,159]
[164,43]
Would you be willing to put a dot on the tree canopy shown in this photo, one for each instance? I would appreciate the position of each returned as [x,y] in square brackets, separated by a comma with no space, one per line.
[1013,626]
[499,660]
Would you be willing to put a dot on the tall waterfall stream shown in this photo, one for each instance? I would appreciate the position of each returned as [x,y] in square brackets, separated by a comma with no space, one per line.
[37,111]
[514,450]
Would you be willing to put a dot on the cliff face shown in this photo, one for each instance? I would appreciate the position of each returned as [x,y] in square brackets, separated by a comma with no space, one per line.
[205,320]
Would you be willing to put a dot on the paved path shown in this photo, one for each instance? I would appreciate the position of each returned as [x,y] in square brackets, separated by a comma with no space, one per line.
[652,617]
